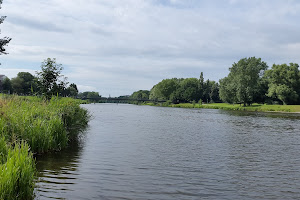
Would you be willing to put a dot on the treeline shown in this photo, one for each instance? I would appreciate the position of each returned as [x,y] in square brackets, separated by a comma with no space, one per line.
[249,81]
[48,82]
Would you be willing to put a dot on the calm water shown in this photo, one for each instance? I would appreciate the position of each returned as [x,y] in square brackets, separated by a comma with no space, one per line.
[143,152]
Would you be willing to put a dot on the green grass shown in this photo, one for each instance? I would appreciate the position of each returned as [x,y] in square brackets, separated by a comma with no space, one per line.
[38,125]
[226,106]
[17,171]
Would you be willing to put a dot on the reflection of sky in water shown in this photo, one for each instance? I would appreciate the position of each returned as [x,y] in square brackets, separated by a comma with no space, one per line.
[140,152]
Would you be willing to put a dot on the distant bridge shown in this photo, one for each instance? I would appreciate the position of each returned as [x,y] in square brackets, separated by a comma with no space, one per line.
[118,99]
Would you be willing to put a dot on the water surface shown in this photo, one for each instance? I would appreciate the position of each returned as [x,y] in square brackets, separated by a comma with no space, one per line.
[143,152]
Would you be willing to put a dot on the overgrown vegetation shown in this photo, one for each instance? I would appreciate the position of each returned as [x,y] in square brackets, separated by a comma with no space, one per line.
[38,125]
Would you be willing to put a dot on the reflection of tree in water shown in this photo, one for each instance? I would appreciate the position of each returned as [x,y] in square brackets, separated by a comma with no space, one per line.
[261,114]
[57,170]
[67,158]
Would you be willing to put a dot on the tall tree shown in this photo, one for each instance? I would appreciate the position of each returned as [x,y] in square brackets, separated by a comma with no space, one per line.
[3,41]
[201,86]
[189,89]
[51,81]
[242,83]
[164,89]
[284,83]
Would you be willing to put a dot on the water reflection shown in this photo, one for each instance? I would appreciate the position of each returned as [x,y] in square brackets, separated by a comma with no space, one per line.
[58,170]
[281,115]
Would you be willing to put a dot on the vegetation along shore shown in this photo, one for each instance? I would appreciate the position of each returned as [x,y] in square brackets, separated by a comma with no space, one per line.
[250,85]
[237,107]
[33,125]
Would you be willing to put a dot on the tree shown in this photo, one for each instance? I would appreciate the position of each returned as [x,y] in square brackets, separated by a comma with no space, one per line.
[284,83]
[3,41]
[213,91]
[6,86]
[71,91]
[141,94]
[227,90]
[17,85]
[242,83]
[201,86]
[189,89]
[28,82]
[51,82]
[164,89]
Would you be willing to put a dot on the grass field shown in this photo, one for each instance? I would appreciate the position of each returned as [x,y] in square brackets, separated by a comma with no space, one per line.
[226,106]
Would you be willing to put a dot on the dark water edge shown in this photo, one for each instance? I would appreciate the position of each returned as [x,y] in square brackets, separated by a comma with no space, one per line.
[141,152]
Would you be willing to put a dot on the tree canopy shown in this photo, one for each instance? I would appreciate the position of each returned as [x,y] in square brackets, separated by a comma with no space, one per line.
[141,94]
[284,83]
[50,79]
[243,81]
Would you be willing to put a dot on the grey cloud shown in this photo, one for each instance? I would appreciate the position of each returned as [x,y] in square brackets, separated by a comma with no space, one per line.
[37,24]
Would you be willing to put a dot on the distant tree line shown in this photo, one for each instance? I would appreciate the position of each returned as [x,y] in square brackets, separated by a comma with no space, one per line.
[249,81]
[48,82]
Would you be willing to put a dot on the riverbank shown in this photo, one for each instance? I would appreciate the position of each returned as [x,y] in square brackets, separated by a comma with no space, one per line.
[32,125]
[226,106]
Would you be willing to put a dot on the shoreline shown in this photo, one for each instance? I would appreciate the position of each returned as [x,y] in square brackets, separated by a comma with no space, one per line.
[291,109]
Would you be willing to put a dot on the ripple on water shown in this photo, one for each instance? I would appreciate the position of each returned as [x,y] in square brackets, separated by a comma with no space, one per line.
[140,152]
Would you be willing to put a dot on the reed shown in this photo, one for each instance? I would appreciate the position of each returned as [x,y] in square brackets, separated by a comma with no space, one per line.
[17,171]
[38,125]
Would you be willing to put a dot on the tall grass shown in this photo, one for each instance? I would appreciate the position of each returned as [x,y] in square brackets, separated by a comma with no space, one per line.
[38,125]
[17,171]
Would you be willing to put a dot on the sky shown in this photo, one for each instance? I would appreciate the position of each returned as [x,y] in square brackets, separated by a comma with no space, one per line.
[116,47]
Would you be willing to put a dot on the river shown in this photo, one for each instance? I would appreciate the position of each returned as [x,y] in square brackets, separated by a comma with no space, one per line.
[143,152]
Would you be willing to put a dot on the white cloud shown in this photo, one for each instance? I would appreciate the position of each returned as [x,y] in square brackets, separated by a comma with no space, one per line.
[116,47]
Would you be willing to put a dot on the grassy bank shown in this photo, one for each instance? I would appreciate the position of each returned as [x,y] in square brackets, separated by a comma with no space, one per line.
[31,123]
[226,106]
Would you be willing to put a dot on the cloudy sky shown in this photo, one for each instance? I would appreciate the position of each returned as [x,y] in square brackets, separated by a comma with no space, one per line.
[116,47]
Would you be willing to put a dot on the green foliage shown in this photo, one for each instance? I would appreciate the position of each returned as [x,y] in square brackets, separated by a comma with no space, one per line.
[17,171]
[51,82]
[17,85]
[141,94]
[31,123]
[88,94]
[189,89]
[6,86]
[185,90]
[242,83]
[24,84]
[200,102]
[3,41]
[164,89]
[211,91]
[71,91]
[284,81]
[44,125]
